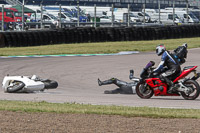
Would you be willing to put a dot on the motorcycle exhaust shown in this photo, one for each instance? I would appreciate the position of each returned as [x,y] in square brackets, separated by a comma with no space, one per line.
[196,76]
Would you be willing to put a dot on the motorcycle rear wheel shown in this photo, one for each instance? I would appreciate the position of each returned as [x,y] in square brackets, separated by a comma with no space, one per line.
[17,86]
[143,92]
[195,93]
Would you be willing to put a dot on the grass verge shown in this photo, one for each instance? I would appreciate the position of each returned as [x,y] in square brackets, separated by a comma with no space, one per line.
[98,48]
[24,106]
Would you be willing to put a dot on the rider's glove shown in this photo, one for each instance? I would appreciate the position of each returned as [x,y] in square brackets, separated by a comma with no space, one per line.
[153,74]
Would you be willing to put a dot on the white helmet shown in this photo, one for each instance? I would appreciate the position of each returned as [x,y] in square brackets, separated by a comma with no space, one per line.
[185,45]
[160,49]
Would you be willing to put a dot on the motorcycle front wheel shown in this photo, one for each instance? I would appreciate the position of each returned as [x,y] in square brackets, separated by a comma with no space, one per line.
[194,86]
[50,84]
[144,91]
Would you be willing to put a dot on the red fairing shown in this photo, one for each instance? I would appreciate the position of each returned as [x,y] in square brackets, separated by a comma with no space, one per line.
[184,73]
[155,83]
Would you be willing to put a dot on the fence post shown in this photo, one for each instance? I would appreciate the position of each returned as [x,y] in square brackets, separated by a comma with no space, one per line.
[112,16]
[144,13]
[95,16]
[173,11]
[128,15]
[23,16]
[41,19]
[187,11]
[159,11]
[2,22]
[60,24]
[78,15]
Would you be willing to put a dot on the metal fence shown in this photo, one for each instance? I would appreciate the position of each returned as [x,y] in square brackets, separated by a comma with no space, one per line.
[92,23]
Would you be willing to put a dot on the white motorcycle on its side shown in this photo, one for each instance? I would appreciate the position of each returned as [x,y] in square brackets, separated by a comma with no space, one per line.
[26,84]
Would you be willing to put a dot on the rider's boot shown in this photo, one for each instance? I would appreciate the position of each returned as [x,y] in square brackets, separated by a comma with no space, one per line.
[106,82]
[169,83]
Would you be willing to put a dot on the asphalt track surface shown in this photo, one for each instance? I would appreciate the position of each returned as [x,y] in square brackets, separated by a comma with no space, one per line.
[77,78]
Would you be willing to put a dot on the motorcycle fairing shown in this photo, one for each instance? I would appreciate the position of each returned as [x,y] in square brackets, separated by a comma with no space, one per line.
[155,83]
[29,83]
[185,72]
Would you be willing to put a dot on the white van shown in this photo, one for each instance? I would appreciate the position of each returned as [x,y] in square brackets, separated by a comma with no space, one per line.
[120,15]
[49,18]
[142,15]
[64,15]
[182,14]
[100,11]
[191,17]
[165,17]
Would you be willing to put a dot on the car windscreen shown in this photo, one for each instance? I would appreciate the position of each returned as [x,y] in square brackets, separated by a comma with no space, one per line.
[68,15]
[18,14]
[131,15]
[52,16]
[146,14]
[192,15]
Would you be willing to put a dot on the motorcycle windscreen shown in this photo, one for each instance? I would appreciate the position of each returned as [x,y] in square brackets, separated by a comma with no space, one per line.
[144,73]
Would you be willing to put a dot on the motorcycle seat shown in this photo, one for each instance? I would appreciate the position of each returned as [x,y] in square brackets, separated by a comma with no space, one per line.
[188,67]
[175,76]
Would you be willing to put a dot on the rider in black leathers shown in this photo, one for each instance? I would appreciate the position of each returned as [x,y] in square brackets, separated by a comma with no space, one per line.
[171,65]
[124,87]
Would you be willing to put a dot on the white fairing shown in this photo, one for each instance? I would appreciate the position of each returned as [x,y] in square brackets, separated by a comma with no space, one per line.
[30,83]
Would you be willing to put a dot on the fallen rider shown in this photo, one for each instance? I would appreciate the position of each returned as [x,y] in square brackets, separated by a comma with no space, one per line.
[124,87]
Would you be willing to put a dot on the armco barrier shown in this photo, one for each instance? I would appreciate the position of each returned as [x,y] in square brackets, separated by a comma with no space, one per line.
[100,34]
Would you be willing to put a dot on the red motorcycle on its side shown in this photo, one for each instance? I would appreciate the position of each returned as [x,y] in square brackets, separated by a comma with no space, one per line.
[150,85]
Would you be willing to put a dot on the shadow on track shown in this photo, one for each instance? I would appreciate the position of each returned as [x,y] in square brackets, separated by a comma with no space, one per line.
[169,98]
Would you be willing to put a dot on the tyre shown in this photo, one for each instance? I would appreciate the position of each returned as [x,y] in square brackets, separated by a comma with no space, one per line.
[2,40]
[8,39]
[44,37]
[36,38]
[17,86]
[194,92]
[71,35]
[50,36]
[25,39]
[30,39]
[60,35]
[144,91]
[50,84]
[89,34]
[14,39]
[93,35]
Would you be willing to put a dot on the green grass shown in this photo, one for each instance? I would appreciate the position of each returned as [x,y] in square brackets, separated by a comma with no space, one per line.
[98,48]
[24,106]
